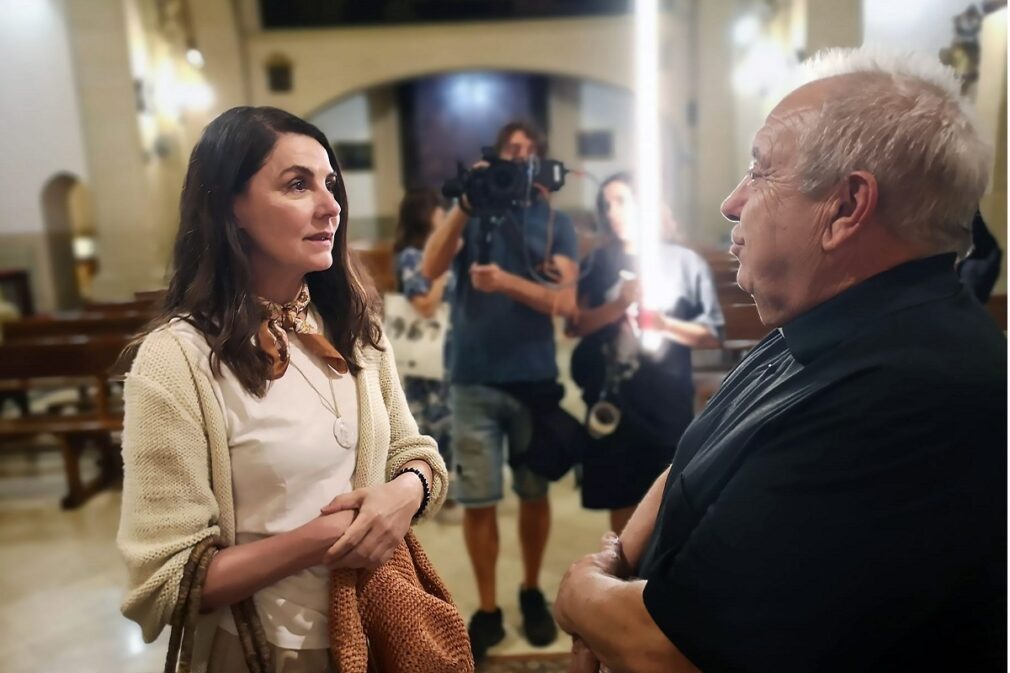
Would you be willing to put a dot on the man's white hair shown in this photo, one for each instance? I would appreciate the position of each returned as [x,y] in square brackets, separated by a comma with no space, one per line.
[903,119]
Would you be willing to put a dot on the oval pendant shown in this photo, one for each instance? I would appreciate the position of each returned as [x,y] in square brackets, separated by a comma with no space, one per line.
[341,433]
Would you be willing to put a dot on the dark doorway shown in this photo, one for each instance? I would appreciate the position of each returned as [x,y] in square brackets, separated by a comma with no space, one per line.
[448,118]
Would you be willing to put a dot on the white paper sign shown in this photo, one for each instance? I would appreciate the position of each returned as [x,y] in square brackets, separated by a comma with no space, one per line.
[417,341]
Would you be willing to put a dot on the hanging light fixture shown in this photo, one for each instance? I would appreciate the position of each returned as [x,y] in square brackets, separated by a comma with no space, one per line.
[193,54]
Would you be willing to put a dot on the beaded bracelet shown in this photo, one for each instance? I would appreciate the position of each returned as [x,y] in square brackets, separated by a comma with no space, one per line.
[424,484]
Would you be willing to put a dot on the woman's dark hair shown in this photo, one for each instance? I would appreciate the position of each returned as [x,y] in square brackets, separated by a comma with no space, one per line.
[528,129]
[601,202]
[211,285]
[414,225]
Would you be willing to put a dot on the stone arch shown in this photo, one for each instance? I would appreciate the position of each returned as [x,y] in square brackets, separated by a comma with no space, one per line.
[65,215]
[675,138]
[331,64]
[331,98]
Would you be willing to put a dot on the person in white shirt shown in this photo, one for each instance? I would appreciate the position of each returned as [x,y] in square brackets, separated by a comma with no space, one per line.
[263,405]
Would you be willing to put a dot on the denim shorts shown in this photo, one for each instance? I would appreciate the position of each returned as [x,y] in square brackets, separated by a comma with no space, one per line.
[485,421]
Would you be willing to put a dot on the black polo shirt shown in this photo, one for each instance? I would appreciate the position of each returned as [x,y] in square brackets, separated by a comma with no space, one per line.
[840,504]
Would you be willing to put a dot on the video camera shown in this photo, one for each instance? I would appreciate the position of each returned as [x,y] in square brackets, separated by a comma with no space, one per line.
[494,190]
[503,185]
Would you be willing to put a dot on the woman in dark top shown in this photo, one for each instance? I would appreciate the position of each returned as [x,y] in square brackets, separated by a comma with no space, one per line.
[651,387]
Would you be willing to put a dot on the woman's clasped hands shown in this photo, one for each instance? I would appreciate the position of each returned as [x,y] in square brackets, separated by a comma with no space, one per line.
[382,516]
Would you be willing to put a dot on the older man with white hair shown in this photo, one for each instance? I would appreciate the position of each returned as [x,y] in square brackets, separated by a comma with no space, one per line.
[840,504]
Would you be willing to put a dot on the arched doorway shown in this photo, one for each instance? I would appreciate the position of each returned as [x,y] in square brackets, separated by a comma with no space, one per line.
[588,124]
[69,238]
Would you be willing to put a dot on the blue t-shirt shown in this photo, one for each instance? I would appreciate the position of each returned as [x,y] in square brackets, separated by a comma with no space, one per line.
[495,338]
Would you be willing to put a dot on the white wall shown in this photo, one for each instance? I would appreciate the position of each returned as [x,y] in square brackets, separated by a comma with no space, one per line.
[606,108]
[38,113]
[717,164]
[923,25]
[927,25]
[347,120]
[42,134]
[596,48]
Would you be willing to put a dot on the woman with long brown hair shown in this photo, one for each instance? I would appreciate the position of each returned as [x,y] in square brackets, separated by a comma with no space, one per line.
[263,405]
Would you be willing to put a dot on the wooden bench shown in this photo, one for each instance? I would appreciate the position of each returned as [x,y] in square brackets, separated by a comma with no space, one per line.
[743,329]
[73,324]
[15,286]
[140,305]
[31,330]
[152,296]
[997,309]
[378,260]
[80,358]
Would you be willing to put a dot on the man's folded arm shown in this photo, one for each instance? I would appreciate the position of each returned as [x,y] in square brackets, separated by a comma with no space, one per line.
[610,616]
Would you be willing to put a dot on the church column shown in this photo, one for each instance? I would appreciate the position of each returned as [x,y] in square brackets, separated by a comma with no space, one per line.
[117,171]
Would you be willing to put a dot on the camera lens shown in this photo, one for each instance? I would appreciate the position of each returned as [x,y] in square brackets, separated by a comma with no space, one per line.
[503,179]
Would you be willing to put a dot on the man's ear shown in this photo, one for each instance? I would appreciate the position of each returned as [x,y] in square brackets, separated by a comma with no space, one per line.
[855,203]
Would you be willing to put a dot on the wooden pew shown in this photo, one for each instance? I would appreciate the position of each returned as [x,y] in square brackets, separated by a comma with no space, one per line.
[743,326]
[74,324]
[145,305]
[153,296]
[79,357]
[730,293]
[15,285]
[743,323]
[377,258]
[997,309]
[30,330]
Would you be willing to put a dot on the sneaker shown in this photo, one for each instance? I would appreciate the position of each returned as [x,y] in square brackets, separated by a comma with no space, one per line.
[485,631]
[538,623]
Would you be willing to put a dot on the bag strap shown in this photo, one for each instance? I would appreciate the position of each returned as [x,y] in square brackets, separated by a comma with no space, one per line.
[258,657]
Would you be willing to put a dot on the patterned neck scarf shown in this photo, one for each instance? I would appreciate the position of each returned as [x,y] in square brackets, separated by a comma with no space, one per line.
[279,319]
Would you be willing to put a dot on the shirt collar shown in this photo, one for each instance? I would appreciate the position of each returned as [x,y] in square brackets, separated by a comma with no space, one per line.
[831,322]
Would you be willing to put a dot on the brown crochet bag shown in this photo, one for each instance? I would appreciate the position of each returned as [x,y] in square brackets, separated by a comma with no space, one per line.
[398,618]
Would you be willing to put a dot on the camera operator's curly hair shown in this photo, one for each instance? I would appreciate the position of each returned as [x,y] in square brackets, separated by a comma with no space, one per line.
[529,129]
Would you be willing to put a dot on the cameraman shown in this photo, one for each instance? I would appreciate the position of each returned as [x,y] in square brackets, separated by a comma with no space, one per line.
[503,349]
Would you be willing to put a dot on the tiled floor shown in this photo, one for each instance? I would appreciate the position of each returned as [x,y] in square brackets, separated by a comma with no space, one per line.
[62,579]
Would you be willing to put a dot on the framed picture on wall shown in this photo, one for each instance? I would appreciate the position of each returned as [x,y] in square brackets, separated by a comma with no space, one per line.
[354,156]
[595,144]
[280,78]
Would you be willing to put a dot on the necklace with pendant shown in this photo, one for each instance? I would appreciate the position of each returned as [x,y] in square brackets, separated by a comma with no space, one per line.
[341,432]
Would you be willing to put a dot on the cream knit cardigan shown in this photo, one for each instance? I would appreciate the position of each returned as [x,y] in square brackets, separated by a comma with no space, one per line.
[177,486]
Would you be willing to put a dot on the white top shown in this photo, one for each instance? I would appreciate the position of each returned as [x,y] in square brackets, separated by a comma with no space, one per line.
[286,464]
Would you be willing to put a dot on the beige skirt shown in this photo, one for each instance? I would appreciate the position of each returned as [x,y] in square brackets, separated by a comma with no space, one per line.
[226,657]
